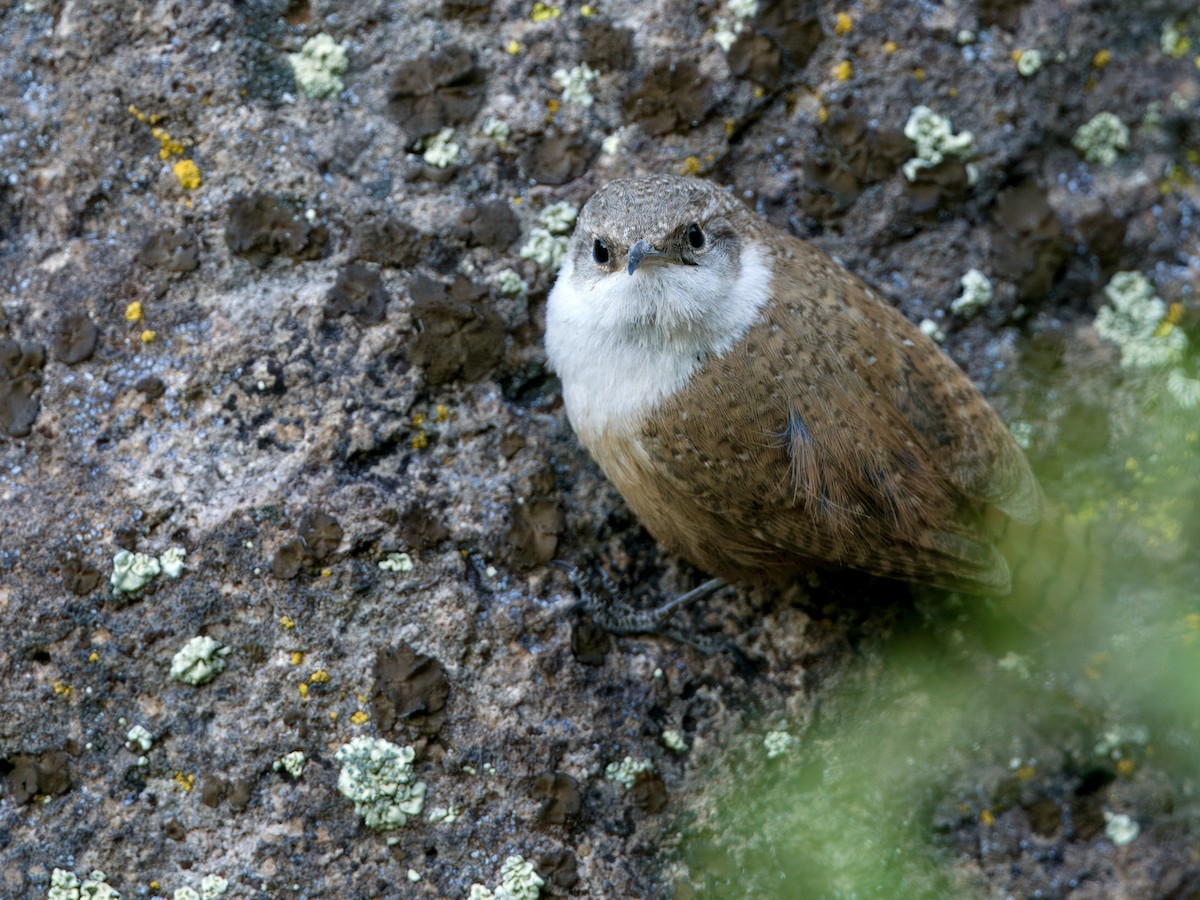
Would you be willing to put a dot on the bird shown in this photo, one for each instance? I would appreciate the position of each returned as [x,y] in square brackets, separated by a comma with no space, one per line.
[763,411]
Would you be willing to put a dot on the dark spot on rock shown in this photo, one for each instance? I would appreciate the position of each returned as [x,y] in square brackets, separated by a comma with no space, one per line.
[173,249]
[559,869]
[757,57]
[557,157]
[1003,13]
[1030,248]
[288,558]
[20,386]
[938,187]
[458,336]
[670,98]
[175,831]
[239,794]
[261,227]
[386,240]
[407,684]
[1045,818]
[606,46]
[435,90]
[488,224]
[421,528]
[74,339]
[589,642]
[359,292]
[1087,818]
[533,536]
[511,444]
[849,155]
[560,796]
[1104,235]
[151,386]
[212,789]
[649,793]
[30,776]
[467,10]
[320,533]
[80,577]
[297,12]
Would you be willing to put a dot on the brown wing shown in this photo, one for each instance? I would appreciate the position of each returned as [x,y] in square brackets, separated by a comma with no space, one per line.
[845,437]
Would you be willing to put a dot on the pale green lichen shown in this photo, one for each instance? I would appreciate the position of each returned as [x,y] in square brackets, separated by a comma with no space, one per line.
[1184,390]
[440,149]
[497,130]
[1173,42]
[377,776]
[1102,139]
[1135,320]
[519,880]
[674,741]
[1120,828]
[976,294]
[139,739]
[445,814]
[171,561]
[933,140]
[212,886]
[133,571]
[743,9]
[200,661]
[511,284]
[318,67]
[778,743]
[186,893]
[932,330]
[397,562]
[293,763]
[627,770]
[575,83]
[611,144]
[1029,63]
[547,244]
[66,885]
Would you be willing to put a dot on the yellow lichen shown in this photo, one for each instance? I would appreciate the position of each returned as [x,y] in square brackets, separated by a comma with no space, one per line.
[185,782]
[420,440]
[327,573]
[297,657]
[918,74]
[823,115]
[133,312]
[587,10]
[1126,767]
[1026,772]
[93,657]
[691,166]
[359,717]
[513,48]
[61,689]
[890,46]
[333,716]
[188,174]
[844,24]
[544,11]
[148,336]
[303,691]
[319,677]
[1101,59]
[987,818]
[442,413]
[287,621]
[844,70]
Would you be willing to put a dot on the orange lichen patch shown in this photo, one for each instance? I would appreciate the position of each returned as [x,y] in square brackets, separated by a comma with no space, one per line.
[360,718]
[133,312]
[1101,59]
[844,24]
[186,782]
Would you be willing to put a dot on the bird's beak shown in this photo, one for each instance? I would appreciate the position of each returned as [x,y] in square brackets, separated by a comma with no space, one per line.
[638,252]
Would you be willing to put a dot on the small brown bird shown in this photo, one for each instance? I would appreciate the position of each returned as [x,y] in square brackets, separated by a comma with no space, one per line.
[762,410]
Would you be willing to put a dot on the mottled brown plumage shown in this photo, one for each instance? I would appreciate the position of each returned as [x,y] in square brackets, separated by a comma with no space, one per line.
[827,432]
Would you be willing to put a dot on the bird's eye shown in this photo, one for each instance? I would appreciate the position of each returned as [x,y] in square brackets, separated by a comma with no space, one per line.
[600,252]
[695,236]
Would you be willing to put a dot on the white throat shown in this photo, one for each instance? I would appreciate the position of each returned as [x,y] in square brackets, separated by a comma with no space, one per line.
[626,343]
